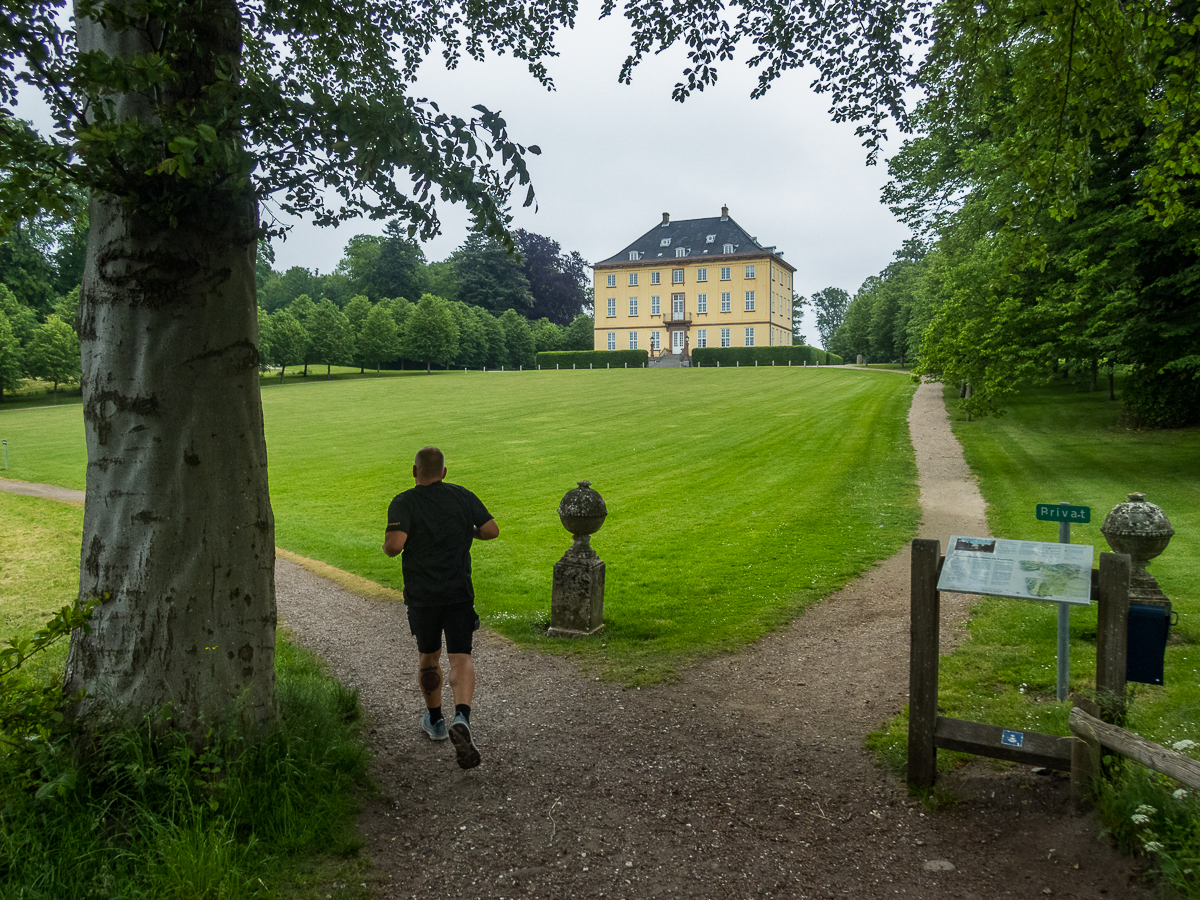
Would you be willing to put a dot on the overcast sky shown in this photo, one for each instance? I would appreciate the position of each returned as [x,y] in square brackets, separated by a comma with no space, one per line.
[616,157]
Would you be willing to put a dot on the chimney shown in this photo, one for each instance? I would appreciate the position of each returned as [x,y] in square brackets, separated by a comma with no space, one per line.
[724,213]
[666,219]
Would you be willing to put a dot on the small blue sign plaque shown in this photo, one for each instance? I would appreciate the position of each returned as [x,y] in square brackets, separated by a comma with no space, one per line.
[1012,738]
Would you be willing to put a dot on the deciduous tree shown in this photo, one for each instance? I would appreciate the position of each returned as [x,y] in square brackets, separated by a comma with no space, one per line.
[12,360]
[830,306]
[53,353]
[330,335]
[289,341]
[380,338]
[431,334]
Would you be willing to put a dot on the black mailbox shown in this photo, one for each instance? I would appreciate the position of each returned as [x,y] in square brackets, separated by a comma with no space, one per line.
[1149,624]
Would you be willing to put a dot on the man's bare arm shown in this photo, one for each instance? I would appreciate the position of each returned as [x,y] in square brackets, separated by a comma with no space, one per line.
[393,542]
[487,531]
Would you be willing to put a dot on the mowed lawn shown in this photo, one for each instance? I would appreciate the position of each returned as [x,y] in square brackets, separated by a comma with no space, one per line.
[735,497]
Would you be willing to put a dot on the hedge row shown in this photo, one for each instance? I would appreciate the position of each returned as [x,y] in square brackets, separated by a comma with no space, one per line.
[797,355]
[597,359]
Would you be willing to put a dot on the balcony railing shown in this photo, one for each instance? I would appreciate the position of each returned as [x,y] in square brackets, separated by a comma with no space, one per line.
[673,318]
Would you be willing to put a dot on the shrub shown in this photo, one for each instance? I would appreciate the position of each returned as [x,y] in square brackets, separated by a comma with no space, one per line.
[141,811]
[598,359]
[1167,399]
[797,355]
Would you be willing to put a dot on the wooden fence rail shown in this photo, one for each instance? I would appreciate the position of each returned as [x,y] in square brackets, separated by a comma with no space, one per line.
[1153,756]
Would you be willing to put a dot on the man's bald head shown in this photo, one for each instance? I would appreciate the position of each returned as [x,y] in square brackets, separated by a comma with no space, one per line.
[429,466]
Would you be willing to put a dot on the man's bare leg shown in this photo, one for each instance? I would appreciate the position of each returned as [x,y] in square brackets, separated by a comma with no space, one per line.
[462,678]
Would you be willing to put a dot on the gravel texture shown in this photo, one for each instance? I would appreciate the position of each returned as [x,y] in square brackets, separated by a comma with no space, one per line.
[746,779]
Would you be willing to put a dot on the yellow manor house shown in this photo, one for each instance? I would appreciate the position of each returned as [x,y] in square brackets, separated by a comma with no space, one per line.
[693,283]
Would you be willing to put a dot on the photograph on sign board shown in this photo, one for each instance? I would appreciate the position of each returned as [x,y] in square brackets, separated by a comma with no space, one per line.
[1028,570]
[971,545]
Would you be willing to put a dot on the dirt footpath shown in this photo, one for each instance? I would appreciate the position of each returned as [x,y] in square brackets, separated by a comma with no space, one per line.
[746,780]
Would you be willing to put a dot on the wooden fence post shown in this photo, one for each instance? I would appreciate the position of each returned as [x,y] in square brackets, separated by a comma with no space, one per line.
[1112,636]
[923,663]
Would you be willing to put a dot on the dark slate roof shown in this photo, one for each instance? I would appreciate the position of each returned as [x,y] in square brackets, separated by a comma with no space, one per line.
[692,235]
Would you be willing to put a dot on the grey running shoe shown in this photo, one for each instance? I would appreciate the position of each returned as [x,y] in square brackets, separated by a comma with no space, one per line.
[464,745]
[435,730]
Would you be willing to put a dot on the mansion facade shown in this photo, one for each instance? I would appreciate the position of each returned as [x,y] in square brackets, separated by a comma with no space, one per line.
[693,283]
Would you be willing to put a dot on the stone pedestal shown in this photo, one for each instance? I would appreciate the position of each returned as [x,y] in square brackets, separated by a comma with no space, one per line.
[577,598]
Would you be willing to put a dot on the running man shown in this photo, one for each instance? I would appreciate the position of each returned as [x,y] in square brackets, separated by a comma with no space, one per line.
[434,524]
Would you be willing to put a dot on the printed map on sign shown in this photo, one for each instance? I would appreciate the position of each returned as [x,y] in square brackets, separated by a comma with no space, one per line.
[1029,570]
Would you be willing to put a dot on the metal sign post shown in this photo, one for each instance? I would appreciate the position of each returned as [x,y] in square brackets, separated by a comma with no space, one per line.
[1064,513]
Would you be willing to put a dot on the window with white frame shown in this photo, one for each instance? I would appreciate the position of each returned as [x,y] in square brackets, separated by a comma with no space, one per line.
[633,306]
[702,274]
[677,307]
[655,340]
[677,276]
[633,340]
[728,248]
[702,303]
[724,337]
[655,277]
[708,239]
[612,340]
[633,254]
[612,306]
[655,305]
[772,303]
[701,337]
[750,337]
[612,280]
[726,301]
[726,273]
[665,242]
[749,301]
[749,271]
[681,251]
[633,279]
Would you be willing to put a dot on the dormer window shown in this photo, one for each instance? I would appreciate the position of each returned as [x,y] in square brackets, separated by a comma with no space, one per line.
[665,242]
[680,251]
[710,238]
[633,254]
[728,248]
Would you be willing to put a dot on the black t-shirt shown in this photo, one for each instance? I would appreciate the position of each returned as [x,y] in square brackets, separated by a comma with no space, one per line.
[439,520]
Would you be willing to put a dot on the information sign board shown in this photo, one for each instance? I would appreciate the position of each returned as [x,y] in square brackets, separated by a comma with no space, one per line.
[1027,570]
[1063,512]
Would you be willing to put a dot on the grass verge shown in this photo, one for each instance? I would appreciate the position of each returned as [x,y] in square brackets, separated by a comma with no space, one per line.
[146,816]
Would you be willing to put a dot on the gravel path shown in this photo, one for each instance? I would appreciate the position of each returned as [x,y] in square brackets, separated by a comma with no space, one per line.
[746,779]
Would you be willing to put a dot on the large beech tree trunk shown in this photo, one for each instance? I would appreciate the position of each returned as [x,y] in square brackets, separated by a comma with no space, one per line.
[178,528]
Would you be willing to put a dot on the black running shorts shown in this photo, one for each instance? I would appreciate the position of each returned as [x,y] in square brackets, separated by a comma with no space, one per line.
[458,621]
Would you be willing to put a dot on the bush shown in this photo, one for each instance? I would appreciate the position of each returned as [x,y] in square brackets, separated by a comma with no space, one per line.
[142,812]
[797,354]
[598,359]
[1168,399]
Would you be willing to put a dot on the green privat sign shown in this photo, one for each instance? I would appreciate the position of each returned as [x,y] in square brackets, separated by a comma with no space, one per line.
[1061,512]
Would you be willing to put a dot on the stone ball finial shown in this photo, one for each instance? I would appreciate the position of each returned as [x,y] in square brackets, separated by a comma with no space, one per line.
[582,510]
[1138,528]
